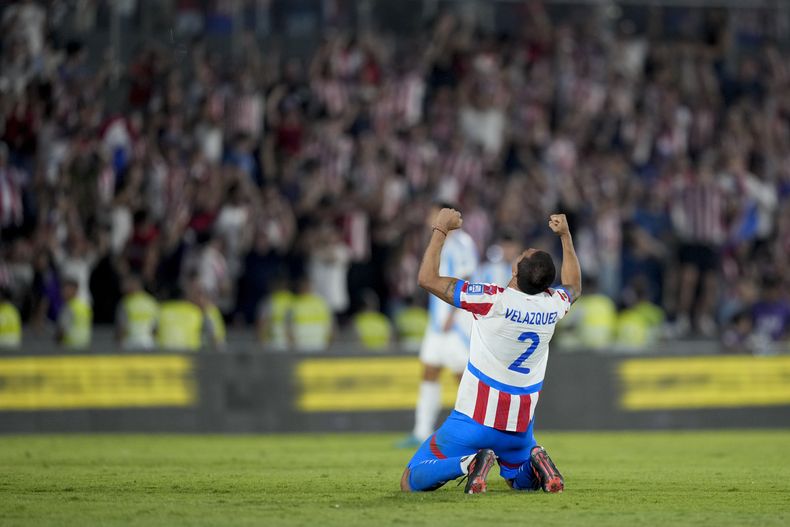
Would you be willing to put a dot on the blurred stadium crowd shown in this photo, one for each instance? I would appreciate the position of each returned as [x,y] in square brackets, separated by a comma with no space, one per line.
[226,177]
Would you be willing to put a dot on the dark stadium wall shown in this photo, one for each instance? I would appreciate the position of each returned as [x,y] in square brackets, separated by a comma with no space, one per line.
[257,392]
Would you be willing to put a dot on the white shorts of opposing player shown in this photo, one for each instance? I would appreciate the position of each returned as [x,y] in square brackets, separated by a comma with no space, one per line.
[445,350]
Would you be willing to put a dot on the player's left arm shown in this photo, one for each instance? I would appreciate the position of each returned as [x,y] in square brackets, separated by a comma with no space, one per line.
[442,287]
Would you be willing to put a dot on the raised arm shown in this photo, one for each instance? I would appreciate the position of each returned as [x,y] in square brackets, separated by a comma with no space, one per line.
[571,272]
[428,278]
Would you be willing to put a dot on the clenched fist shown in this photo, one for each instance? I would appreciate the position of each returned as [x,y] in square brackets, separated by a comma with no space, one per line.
[559,224]
[448,220]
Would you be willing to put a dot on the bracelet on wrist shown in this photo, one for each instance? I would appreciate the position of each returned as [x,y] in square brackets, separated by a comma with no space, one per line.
[440,230]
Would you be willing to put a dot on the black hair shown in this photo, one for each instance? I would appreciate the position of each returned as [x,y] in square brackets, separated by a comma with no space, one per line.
[536,273]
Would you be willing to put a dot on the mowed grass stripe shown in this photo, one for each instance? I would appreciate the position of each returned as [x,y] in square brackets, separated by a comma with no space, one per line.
[627,478]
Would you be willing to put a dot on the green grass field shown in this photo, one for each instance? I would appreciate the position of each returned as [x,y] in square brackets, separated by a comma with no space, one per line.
[668,478]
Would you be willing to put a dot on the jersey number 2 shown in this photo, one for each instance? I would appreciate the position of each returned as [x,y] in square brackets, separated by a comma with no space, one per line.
[535,340]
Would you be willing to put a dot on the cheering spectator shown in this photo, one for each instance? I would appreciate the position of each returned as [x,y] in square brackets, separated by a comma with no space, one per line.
[669,155]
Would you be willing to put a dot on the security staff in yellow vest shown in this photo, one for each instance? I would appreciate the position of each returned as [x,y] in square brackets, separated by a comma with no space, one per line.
[591,323]
[75,319]
[638,327]
[653,314]
[274,317]
[411,323]
[632,331]
[372,327]
[311,320]
[136,316]
[10,323]
[183,325]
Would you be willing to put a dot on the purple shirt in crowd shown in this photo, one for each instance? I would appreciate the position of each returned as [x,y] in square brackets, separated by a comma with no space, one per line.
[772,318]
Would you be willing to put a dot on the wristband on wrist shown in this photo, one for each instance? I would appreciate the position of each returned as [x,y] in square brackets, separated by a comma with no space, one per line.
[440,230]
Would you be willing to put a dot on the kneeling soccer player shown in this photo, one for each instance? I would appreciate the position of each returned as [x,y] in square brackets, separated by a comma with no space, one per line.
[492,419]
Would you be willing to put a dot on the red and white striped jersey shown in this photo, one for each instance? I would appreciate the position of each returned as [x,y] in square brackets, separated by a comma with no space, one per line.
[508,353]
[11,205]
[698,211]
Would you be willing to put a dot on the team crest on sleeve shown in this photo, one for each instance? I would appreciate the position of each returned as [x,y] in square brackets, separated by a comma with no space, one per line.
[475,289]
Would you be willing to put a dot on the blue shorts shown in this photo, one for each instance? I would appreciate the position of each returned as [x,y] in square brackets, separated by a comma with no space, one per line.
[459,436]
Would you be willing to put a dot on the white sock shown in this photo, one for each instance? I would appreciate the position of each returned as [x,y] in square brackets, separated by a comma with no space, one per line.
[465,462]
[429,404]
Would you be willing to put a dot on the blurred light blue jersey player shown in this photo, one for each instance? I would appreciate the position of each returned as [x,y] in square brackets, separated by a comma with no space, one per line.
[446,341]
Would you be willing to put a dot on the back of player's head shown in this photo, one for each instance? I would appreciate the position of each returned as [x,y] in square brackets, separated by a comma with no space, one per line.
[536,272]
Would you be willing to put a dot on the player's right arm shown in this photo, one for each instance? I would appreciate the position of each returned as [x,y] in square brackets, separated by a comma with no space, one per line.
[571,272]
[442,287]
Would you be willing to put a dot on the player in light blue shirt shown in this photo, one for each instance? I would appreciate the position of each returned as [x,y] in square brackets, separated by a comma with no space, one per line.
[446,341]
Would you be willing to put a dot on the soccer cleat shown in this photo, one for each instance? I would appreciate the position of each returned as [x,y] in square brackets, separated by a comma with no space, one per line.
[478,471]
[536,482]
[550,478]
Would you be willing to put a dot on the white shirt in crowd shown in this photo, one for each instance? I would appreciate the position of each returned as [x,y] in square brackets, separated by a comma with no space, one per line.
[328,271]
